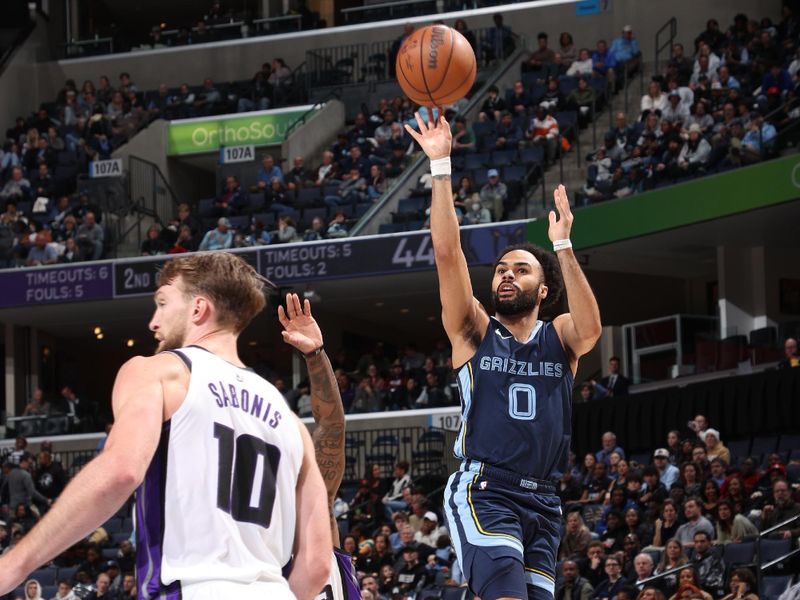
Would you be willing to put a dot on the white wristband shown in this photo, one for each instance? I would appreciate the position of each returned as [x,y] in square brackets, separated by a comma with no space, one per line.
[561,245]
[440,166]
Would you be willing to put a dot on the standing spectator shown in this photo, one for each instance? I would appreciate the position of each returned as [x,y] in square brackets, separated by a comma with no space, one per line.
[72,406]
[791,358]
[695,522]
[615,382]
[90,237]
[219,238]
[709,565]
[21,489]
[499,40]
[461,27]
[543,131]
[50,476]
[679,65]
[625,50]
[572,586]
[494,194]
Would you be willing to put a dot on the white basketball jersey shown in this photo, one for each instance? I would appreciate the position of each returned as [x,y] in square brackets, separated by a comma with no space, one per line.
[218,501]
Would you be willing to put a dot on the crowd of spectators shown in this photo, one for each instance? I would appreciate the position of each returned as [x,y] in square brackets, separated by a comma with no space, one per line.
[717,109]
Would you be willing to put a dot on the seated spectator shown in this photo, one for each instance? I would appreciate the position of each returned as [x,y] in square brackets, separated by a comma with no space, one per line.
[643,567]
[625,50]
[376,184]
[90,237]
[520,100]
[782,508]
[430,530]
[613,582]
[316,232]
[743,585]
[286,232]
[541,57]
[398,161]
[654,100]
[699,116]
[582,99]
[356,160]
[695,522]
[675,111]
[576,537]
[572,585]
[731,526]
[493,106]
[338,226]
[352,190]
[668,474]
[703,70]
[328,171]
[268,171]
[219,238]
[42,252]
[231,200]
[296,178]
[709,565]
[689,586]
[154,245]
[608,447]
[603,61]
[476,214]
[553,100]
[260,92]
[463,137]
[508,134]
[72,253]
[672,558]
[384,131]
[695,152]
[758,139]
[17,188]
[494,193]
[791,358]
[185,242]
[543,131]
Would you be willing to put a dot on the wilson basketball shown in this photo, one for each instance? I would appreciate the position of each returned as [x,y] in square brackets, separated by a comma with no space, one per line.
[436,66]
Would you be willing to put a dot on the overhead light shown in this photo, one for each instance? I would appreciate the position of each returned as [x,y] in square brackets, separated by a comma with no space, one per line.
[98,330]
[130,343]
[432,318]
[379,304]
[404,311]
[252,343]
[100,336]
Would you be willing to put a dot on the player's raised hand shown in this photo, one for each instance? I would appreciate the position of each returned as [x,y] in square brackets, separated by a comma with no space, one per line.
[560,229]
[300,329]
[435,138]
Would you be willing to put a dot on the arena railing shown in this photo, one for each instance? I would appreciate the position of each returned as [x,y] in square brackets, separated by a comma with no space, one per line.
[778,560]
[388,10]
[665,37]
[89,47]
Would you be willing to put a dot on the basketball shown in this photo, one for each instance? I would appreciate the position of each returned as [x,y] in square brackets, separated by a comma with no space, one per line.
[436,66]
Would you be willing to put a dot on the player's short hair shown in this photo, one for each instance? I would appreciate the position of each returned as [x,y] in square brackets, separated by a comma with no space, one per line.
[233,286]
[550,267]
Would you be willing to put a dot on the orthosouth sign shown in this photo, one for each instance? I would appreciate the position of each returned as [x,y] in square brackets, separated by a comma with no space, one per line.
[262,128]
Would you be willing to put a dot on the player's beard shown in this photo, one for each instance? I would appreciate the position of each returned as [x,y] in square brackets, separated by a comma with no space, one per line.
[173,340]
[522,303]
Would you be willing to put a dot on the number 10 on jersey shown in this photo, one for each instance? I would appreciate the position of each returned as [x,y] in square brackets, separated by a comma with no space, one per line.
[246,474]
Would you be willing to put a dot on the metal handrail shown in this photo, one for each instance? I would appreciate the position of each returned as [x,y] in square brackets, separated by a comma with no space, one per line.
[335,94]
[780,559]
[672,26]
[388,6]
[662,575]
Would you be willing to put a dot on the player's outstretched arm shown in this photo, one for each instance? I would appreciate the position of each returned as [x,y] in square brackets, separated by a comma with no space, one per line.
[104,484]
[580,328]
[462,315]
[302,332]
[312,538]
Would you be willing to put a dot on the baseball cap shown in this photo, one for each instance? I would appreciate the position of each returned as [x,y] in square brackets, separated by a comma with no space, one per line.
[777,467]
[493,173]
[674,94]
[695,128]
[224,221]
[431,516]
[627,29]
[3,524]
[716,85]
[661,453]
[110,564]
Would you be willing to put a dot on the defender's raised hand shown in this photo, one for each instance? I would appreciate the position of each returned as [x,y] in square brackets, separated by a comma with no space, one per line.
[435,138]
[560,229]
[300,329]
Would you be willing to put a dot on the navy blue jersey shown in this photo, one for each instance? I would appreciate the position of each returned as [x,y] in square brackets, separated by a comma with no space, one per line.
[516,402]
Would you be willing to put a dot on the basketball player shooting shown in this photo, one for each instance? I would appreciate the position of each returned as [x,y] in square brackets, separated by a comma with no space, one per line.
[302,332]
[228,488]
[515,375]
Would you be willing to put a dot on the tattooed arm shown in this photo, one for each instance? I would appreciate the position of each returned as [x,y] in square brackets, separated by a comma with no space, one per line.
[302,332]
[326,406]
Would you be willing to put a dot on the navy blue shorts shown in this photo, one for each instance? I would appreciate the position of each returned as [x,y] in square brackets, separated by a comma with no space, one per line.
[506,535]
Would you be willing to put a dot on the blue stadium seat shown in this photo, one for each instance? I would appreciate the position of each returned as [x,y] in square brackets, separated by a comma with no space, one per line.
[109,553]
[413,205]
[503,158]
[127,525]
[112,526]
[772,549]
[793,472]
[480,177]
[739,554]
[49,591]
[481,129]
[204,207]
[476,161]
[414,225]
[566,120]
[120,537]
[307,196]
[454,593]
[773,587]
[739,448]
[789,442]
[567,84]
[532,155]
[267,218]
[332,188]
[361,209]
[67,573]
[389,228]
[241,222]
[45,576]
[310,213]
[764,445]
[514,173]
